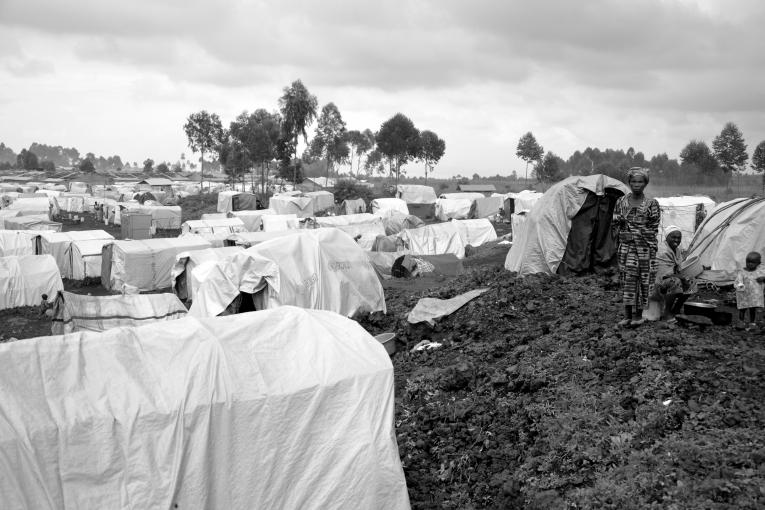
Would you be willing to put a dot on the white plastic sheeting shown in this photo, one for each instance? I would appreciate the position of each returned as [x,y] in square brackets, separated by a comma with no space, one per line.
[476,232]
[72,204]
[85,258]
[248,239]
[23,281]
[147,265]
[731,230]
[353,206]
[166,217]
[186,263]
[17,242]
[322,200]
[430,309]
[39,206]
[518,223]
[416,194]
[284,408]
[252,219]
[368,226]
[31,223]
[486,207]
[383,205]
[5,213]
[436,239]
[321,269]
[525,199]
[681,212]
[74,312]
[58,244]
[468,195]
[216,226]
[539,246]
[451,208]
[301,207]
[225,201]
[279,222]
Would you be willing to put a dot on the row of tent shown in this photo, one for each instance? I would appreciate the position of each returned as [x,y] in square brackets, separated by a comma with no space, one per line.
[569,229]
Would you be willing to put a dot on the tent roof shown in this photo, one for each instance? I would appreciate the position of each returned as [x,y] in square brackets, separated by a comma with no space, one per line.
[480,188]
[157,181]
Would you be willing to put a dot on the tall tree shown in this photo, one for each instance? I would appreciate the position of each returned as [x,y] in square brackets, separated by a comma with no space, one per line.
[204,132]
[432,149]
[148,165]
[298,108]
[758,162]
[258,133]
[27,160]
[329,142]
[529,150]
[698,153]
[399,141]
[86,166]
[360,143]
[730,150]
[549,169]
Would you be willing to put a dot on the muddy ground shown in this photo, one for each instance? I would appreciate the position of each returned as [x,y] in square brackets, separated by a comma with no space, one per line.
[536,400]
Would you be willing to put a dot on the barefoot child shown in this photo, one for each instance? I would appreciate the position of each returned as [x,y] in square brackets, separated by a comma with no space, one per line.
[750,288]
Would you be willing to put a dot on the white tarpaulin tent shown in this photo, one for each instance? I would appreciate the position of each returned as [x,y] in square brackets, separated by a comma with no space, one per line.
[524,200]
[681,212]
[163,217]
[321,269]
[85,258]
[476,232]
[279,222]
[58,244]
[145,265]
[468,195]
[184,284]
[248,239]
[71,203]
[216,226]
[225,201]
[416,194]
[252,219]
[38,206]
[31,223]
[301,207]
[17,242]
[322,200]
[384,205]
[74,312]
[485,207]
[283,408]
[731,230]
[23,281]
[541,244]
[5,214]
[453,208]
[436,239]
[213,216]
[368,226]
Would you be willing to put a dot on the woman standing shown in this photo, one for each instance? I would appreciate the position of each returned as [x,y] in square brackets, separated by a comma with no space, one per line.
[636,221]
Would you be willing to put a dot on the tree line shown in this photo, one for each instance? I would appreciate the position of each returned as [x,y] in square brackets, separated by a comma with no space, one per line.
[260,139]
[699,164]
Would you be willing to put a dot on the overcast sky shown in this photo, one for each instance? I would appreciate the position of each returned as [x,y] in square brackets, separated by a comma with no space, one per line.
[121,77]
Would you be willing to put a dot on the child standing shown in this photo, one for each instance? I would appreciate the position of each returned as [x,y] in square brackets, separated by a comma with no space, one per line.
[750,289]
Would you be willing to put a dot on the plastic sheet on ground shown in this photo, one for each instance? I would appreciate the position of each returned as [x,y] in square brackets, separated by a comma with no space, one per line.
[75,312]
[284,408]
[436,239]
[430,309]
[24,279]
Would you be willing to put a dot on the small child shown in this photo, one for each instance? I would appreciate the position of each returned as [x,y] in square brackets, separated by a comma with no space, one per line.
[750,289]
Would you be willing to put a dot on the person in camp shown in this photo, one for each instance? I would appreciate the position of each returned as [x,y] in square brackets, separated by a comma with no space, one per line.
[750,289]
[672,289]
[636,224]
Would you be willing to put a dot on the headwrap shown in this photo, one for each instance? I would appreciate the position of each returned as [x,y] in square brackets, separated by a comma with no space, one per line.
[671,228]
[635,171]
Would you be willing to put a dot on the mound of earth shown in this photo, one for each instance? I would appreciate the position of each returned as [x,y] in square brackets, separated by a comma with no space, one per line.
[536,400]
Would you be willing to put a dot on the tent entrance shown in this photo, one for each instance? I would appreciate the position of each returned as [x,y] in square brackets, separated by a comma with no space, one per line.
[246,302]
[590,243]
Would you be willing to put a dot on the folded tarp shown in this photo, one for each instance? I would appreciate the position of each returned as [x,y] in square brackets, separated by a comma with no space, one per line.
[284,408]
[383,205]
[58,244]
[485,207]
[452,208]
[145,265]
[476,232]
[416,194]
[322,200]
[17,242]
[436,239]
[355,206]
[301,207]
[23,281]
[186,263]
[216,226]
[248,239]
[278,222]
[31,223]
[74,312]
[321,269]
[252,219]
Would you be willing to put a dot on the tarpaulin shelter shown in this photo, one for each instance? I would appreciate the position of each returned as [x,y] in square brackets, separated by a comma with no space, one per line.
[217,226]
[277,222]
[24,279]
[75,312]
[236,201]
[416,194]
[58,245]
[322,269]
[85,257]
[523,200]
[213,216]
[322,200]
[363,227]
[5,213]
[461,196]
[163,217]
[144,265]
[476,232]
[301,207]
[731,230]
[383,205]
[38,206]
[453,208]
[569,228]
[394,222]
[17,242]
[485,207]
[71,203]
[252,219]
[436,239]
[248,239]
[686,213]
[353,206]
[31,223]
[224,201]
[186,263]
[284,408]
